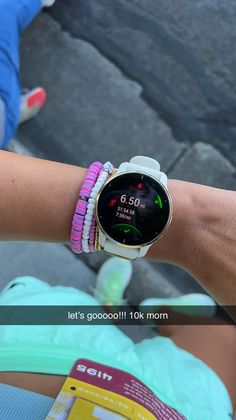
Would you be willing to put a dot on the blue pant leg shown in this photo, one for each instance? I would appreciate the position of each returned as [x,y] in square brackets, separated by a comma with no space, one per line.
[15,15]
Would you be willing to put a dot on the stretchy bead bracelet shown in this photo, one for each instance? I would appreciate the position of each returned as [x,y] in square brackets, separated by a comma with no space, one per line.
[84,226]
[89,227]
[81,206]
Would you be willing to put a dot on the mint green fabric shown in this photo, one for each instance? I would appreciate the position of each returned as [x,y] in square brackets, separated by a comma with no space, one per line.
[177,377]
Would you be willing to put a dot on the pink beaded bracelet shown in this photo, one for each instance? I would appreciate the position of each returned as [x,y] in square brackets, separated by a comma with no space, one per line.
[81,206]
[88,234]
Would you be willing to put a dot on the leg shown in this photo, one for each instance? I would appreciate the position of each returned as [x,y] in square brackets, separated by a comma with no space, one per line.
[213,344]
[15,16]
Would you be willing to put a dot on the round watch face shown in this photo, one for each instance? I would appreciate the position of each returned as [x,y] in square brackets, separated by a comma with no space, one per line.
[133,209]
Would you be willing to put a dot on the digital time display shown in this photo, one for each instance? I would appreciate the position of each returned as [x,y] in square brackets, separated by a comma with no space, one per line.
[133,209]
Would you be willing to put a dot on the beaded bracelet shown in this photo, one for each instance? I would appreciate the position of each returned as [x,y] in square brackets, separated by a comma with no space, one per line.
[89,227]
[92,233]
[81,206]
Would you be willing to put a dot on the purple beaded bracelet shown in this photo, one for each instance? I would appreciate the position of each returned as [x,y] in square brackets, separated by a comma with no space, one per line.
[81,206]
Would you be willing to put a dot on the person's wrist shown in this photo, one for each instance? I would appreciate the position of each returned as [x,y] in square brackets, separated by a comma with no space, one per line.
[201,237]
[179,243]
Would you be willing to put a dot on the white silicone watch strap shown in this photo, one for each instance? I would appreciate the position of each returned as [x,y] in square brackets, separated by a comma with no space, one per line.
[144,164]
[141,164]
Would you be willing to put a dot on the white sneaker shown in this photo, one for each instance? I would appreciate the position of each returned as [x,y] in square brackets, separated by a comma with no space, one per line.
[191,304]
[112,280]
[48,3]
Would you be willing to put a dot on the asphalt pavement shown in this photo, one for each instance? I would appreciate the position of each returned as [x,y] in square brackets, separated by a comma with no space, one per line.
[130,77]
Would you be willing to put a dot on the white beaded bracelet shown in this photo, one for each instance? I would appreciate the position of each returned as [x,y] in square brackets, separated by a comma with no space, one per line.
[106,170]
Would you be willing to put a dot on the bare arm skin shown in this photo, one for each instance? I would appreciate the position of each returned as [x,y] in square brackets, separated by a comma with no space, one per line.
[37,201]
[202,237]
[38,197]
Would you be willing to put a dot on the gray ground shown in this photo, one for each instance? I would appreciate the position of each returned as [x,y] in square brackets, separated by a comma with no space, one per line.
[129,77]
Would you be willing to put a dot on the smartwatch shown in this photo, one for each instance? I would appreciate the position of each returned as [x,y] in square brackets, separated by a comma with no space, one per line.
[133,208]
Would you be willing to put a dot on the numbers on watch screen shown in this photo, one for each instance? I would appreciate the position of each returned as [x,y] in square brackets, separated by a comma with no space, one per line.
[132,201]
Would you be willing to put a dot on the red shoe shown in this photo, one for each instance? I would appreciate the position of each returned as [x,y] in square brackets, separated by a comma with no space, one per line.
[32,102]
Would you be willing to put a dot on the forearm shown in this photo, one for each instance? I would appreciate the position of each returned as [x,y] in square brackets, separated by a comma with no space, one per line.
[202,237]
[38,198]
